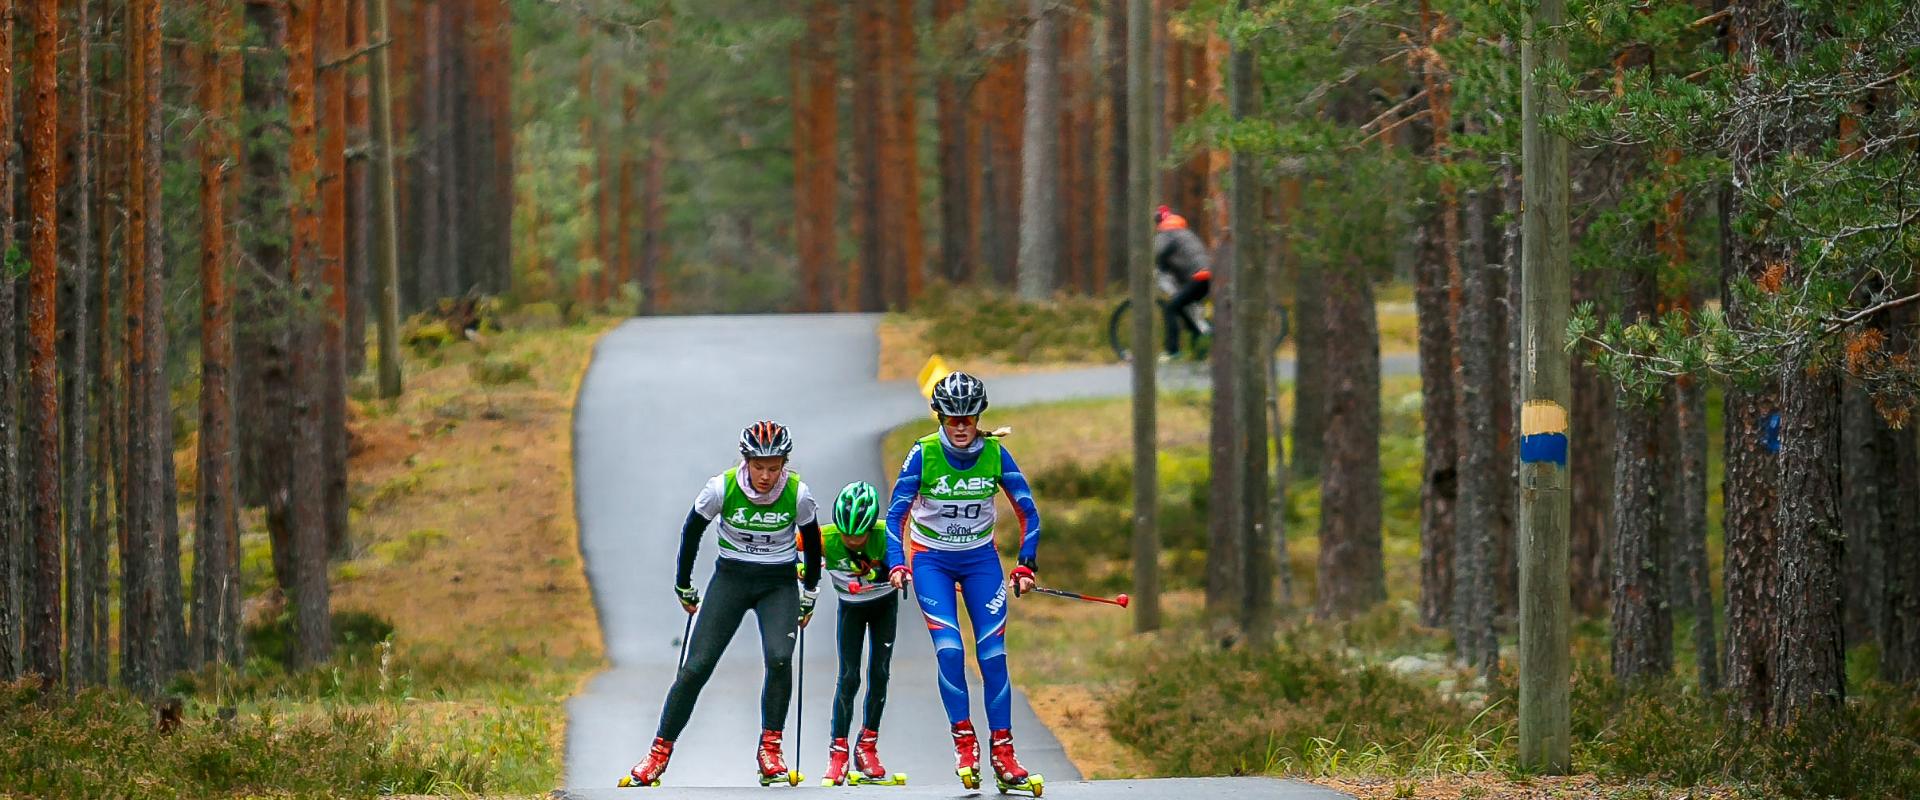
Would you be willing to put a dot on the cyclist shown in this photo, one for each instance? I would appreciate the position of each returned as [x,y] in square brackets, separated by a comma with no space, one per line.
[1184,264]
[947,487]
[758,505]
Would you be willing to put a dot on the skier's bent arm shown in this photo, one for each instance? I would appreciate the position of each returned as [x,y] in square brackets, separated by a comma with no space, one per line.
[1014,483]
[906,486]
[690,533]
[810,547]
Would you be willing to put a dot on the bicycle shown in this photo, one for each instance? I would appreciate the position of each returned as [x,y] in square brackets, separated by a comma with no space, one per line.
[1120,323]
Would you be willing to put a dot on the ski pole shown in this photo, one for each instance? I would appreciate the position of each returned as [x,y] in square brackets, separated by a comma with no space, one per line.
[800,724]
[1116,600]
[684,636]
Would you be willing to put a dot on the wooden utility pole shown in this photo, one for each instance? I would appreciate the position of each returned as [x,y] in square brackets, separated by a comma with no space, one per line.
[1142,109]
[386,236]
[1545,277]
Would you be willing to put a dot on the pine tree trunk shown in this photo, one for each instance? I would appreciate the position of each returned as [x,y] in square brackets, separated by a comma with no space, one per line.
[1809,665]
[1440,424]
[82,536]
[1040,159]
[1226,562]
[12,538]
[1642,620]
[870,112]
[149,646]
[306,504]
[41,422]
[1254,336]
[1591,471]
[815,118]
[903,81]
[1481,471]
[331,51]
[1752,501]
[1866,449]
[386,257]
[1001,100]
[653,240]
[1689,409]
[216,576]
[108,383]
[1114,182]
[359,190]
[1310,369]
[957,229]
[1352,577]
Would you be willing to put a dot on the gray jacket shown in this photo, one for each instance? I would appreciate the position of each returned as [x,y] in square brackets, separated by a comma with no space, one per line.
[1180,253]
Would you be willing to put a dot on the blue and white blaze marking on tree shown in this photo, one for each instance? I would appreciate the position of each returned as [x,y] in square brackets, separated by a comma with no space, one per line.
[1543,433]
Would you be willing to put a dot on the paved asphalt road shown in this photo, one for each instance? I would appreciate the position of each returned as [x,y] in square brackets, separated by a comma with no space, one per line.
[658,413]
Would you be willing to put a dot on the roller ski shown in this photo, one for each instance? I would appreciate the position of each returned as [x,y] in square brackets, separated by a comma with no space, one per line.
[647,773]
[1008,775]
[773,768]
[868,770]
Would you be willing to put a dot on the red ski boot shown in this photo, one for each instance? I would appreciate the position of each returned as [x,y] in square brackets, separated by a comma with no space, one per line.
[773,767]
[836,764]
[966,754]
[647,773]
[1008,775]
[867,758]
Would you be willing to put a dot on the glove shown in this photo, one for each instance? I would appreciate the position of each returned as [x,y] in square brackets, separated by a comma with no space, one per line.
[807,602]
[689,598]
[1021,573]
[900,577]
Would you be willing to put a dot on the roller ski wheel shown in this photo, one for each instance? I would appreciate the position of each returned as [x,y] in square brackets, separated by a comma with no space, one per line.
[791,778]
[1033,785]
[969,777]
[966,754]
[647,773]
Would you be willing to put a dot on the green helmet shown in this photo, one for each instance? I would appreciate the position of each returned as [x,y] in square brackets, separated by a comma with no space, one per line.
[857,508]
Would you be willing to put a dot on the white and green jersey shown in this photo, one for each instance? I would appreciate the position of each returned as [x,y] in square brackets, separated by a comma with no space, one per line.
[756,529]
[955,508]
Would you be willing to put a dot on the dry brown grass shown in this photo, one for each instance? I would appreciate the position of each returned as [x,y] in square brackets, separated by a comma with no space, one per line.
[464,534]
[1498,786]
[904,349]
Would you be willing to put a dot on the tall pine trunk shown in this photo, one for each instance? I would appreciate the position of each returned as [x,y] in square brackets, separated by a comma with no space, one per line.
[1481,471]
[871,110]
[1226,561]
[1439,485]
[82,533]
[12,541]
[1642,616]
[1352,577]
[1591,472]
[331,74]
[815,134]
[959,231]
[1809,666]
[306,510]
[41,422]
[1039,160]
[216,576]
